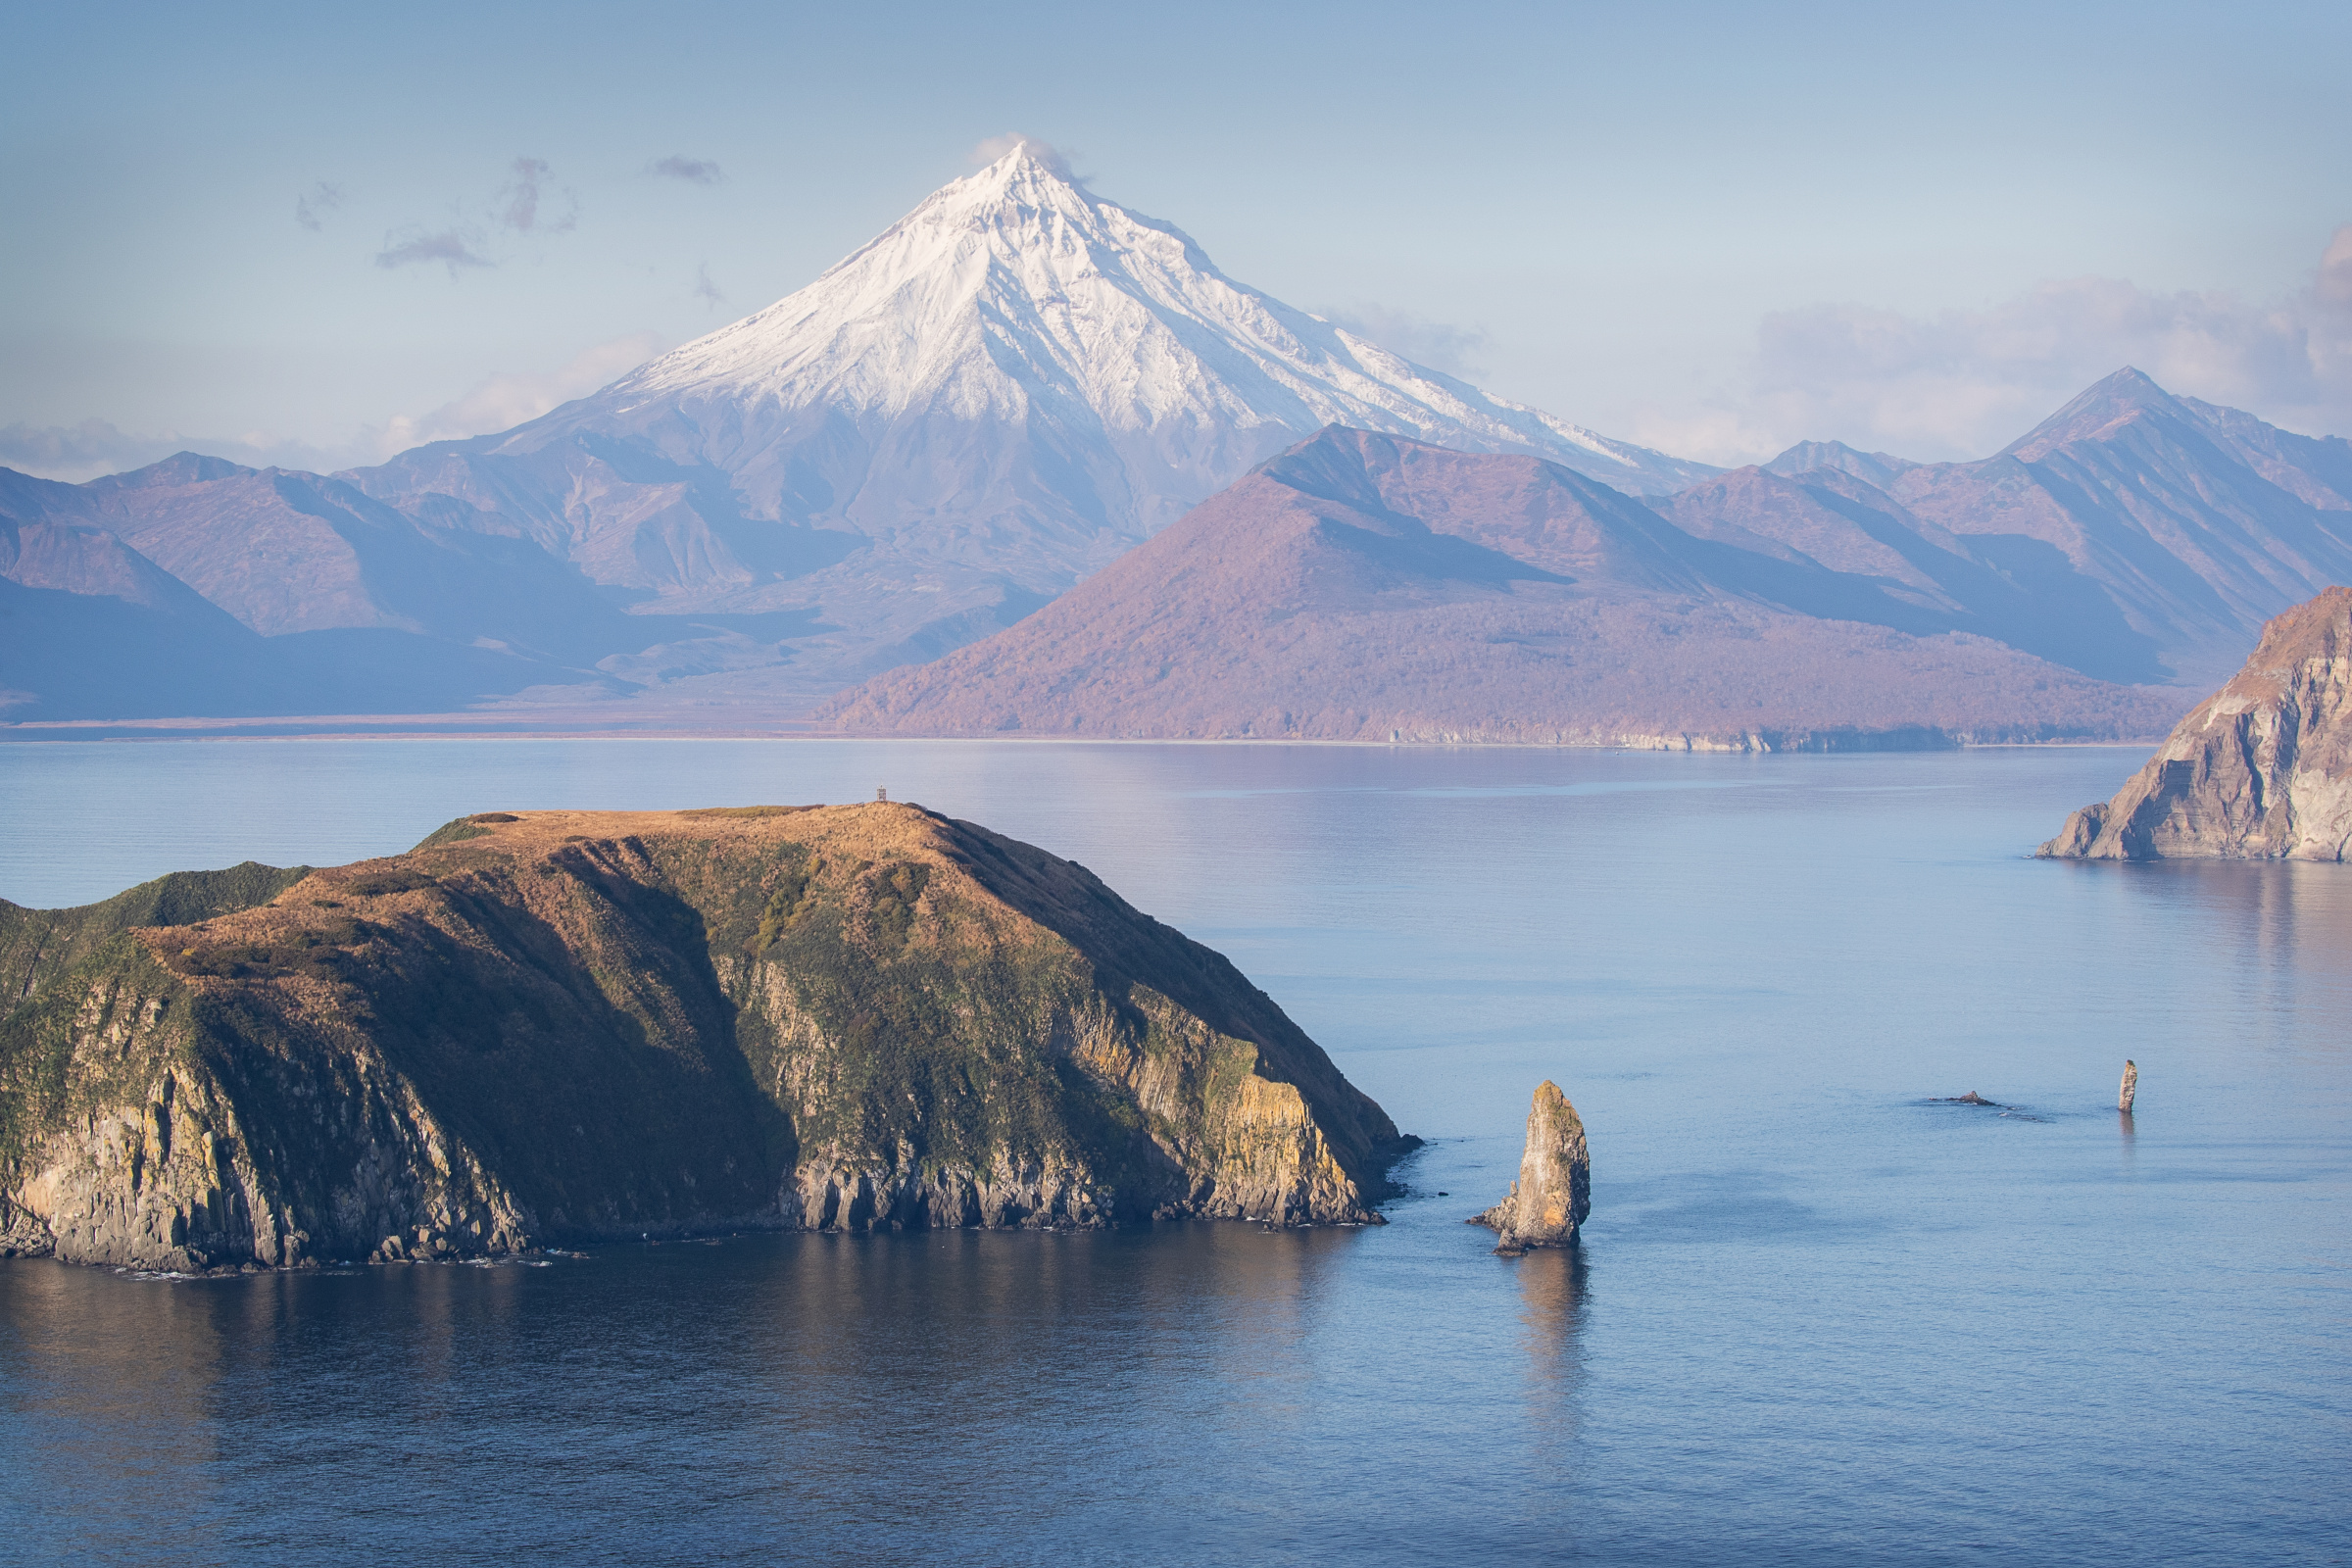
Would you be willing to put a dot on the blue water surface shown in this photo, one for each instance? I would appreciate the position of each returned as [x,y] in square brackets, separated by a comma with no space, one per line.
[1817,1317]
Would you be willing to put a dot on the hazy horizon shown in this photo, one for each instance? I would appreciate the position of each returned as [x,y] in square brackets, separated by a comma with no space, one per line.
[293,237]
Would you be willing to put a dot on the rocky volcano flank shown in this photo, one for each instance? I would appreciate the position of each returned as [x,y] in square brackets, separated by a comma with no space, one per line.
[2261,770]
[556,1025]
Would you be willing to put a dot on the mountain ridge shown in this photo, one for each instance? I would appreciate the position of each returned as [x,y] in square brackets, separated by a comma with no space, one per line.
[1366,587]
[998,397]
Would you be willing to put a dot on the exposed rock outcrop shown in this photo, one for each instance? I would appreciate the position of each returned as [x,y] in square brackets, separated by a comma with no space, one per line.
[2261,770]
[562,1025]
[2129,1092]
[1554,1194]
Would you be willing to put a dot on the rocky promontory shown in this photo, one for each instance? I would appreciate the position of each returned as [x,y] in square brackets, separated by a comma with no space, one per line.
[563,1025]
[2262,770]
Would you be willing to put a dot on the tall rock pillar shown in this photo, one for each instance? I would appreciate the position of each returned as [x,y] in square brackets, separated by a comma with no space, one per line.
[1554,1194]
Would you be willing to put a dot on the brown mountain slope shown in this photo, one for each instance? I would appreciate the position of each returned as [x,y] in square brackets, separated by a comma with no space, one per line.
[580,1023]
[2261,770]
[1365,587]
[620,560]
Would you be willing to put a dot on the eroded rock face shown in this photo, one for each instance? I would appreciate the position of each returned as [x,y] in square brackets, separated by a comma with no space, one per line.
[2261,770]
[563,1025]
[1554,1194]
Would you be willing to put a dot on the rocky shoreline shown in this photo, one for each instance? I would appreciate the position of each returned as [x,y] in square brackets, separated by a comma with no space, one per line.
[2260,771]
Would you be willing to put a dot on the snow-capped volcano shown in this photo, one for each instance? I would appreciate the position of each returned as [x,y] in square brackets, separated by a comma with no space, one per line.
[1017,297]
[1009,387]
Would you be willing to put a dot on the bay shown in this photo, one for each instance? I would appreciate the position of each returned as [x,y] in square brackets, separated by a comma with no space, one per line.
[1817,1317]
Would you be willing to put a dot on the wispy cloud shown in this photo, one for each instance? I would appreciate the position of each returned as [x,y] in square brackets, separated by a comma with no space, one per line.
[454,247]
[989,149]
[1439,345]
[78,451]
[1964,383]
[518,199]
[2333,285]
[503,401]
[706,290]
[95,447]
[693,171]
[312,205]
[528,203]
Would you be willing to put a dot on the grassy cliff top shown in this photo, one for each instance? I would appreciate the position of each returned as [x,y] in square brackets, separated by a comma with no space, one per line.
[712,854]
[897,883]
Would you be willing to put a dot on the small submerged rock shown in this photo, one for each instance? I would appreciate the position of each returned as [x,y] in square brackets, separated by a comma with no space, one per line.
[1554,1194]
[1972,1097]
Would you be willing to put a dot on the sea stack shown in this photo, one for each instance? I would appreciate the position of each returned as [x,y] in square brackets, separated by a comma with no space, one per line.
[2262,770]
[2131,1089]
[1554,1194]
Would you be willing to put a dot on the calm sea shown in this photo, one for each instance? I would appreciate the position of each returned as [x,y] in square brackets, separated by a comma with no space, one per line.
[1816,1320]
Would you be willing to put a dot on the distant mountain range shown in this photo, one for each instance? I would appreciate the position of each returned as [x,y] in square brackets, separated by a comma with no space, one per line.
[1018,385]
[1011,386]
[2089,581]
[1366,587]
[2132,535]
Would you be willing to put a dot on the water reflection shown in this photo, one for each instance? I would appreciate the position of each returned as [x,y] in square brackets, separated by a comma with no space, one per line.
[1551,1294]
[2282,928]
[107,1386]
[1552,1320]
[855,1386]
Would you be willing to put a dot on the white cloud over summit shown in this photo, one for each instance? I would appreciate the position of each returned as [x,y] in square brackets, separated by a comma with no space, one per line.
[989,149]
[1963,383]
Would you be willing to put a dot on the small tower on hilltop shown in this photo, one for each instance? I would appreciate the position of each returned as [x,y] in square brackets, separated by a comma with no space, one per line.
[881,794]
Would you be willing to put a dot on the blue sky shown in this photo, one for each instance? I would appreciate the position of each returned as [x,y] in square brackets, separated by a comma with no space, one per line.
[1712,228]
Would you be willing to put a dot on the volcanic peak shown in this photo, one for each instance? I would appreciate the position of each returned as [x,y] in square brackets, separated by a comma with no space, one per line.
[1016,295]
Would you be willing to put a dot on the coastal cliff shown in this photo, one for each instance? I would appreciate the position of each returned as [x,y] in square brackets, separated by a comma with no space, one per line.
[562,1025]
[2262,770]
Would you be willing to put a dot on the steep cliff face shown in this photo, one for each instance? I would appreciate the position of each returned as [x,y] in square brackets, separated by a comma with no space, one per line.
[2261,770]
[571,1024]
